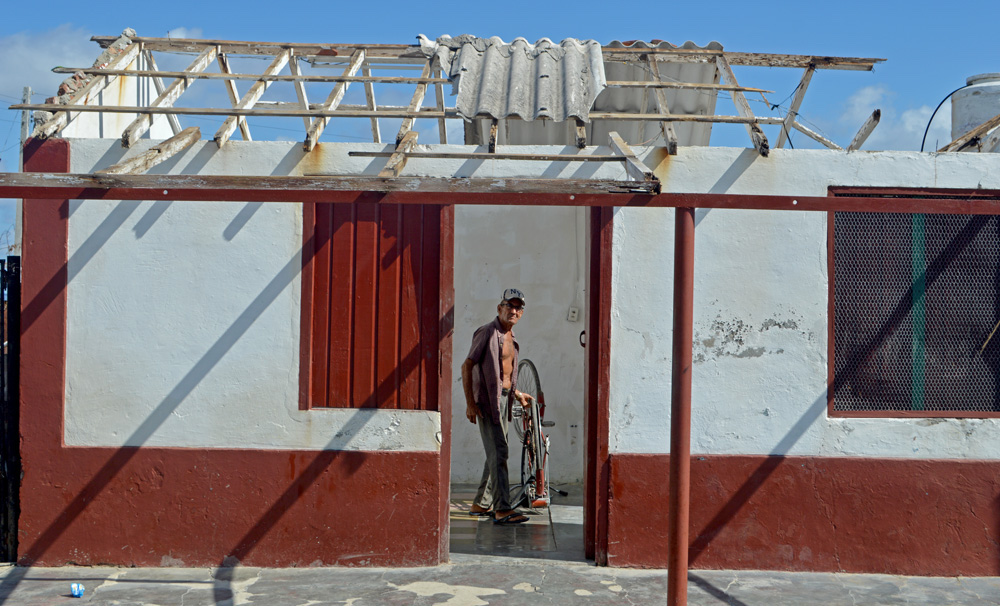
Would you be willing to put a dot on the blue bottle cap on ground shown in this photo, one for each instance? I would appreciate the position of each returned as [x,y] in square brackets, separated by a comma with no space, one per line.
[76,589]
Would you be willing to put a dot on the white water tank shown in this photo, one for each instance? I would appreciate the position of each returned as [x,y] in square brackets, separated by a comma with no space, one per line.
[975,104]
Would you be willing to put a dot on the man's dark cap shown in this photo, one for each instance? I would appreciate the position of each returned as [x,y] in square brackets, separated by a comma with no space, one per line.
[513,293]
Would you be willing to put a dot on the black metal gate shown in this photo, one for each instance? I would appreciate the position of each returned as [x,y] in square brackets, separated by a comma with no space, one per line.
[10,447]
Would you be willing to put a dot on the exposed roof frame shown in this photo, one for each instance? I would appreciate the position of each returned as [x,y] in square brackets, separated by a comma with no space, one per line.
[365,58]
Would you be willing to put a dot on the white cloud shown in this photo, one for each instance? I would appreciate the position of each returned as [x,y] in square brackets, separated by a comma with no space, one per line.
[185,32]
[898,128]
[28,59]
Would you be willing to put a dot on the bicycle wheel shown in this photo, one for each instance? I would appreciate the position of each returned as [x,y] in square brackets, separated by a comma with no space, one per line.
[527,382]
[528,470]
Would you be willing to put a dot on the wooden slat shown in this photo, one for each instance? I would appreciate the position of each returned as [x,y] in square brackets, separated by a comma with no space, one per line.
[865,130]
[430,321]
[429,113]
[89,91]
[364,350]
[332,101]
[370,100]
[155,155]
[652,84]
[340,369]
[415,102]
[300,89]
[397,160]
[973,135]
[175,124]
[496,156]
[142,123]
[629,55]
[251,97]
[411,251]
[743,107]
[323,280]
[368,78]
[816,136]
[793,109]
[234,96]
[387,372]
[633,166]
[666,128]
[413,53]
[289,189]
[439,105]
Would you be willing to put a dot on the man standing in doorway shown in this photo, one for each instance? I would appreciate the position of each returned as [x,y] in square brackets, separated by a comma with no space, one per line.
[489,376]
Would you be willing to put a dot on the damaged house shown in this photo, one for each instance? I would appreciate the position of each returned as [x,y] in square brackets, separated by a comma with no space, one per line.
[241,349]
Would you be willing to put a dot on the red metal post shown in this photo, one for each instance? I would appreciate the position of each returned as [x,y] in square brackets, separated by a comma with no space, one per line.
[680,408]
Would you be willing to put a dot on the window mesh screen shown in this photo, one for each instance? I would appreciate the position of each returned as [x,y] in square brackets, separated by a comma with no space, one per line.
[916,310]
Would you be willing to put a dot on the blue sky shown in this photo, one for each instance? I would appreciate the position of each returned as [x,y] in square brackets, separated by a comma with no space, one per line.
[929,49]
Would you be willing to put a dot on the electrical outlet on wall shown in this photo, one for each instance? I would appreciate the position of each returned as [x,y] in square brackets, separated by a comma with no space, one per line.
[573,315]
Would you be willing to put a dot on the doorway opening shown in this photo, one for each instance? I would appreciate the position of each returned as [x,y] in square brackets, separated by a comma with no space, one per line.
[541,251]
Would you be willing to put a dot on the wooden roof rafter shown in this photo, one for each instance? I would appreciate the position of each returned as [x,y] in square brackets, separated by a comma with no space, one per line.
[367,63]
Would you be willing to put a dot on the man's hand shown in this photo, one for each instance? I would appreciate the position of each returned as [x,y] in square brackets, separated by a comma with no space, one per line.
[524,399]
[471,412]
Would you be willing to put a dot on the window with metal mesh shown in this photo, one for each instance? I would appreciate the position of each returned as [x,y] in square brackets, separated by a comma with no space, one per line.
[916,313]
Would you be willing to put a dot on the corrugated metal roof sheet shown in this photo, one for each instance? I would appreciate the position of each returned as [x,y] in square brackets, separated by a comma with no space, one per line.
[497,80]
[529,81]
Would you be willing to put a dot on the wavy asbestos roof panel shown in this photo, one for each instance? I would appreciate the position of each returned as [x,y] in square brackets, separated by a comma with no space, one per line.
[493,79]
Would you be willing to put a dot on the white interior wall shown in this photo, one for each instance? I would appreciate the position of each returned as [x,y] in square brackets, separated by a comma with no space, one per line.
[540,251]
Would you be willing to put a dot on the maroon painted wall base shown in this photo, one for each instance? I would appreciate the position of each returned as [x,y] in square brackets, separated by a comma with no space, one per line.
[178,507]
[892,516]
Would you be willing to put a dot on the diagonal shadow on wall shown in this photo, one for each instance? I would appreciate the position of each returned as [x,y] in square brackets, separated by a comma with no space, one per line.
[855,360]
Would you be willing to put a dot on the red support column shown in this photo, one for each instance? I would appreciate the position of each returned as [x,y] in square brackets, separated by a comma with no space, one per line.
[680,408]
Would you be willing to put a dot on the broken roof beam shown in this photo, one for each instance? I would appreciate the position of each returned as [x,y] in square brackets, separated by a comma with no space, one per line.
[89,90]
[793,109]
[175,124]
[155,155]
[666,128]
[816,136]
[252,96]
[234,95]
[865,130]
[973,136]
[743,107]
[176,88]
[633,165]
[417,101]
[332,101]
[394,167]
[580,129]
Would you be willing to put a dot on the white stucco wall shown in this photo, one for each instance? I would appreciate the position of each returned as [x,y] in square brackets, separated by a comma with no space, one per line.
[760,321]
[183,317]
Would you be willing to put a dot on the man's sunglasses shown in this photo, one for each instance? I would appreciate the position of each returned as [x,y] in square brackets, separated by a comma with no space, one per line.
[514,307]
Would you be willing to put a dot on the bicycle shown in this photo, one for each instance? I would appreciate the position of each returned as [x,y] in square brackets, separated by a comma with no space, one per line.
[528,424]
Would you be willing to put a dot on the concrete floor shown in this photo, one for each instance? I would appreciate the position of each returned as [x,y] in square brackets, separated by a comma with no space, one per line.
[540,562]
